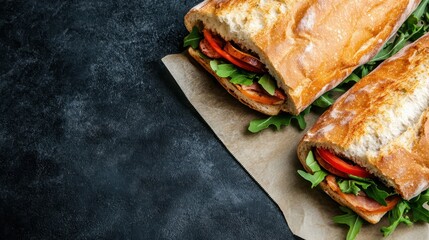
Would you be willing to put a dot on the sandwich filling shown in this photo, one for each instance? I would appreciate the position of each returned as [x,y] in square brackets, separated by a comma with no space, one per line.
[359,190]
[243,69]
[355,184]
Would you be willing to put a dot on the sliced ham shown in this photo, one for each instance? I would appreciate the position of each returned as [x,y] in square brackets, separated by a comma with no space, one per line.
[207,50]
[361,201]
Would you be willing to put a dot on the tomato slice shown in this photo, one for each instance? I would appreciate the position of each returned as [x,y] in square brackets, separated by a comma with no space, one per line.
[256,93]
[330,168]
[227,56]
[341,165]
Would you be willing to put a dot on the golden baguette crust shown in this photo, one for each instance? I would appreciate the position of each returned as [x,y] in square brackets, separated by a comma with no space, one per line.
[382,124]
[308,46]
[232,89]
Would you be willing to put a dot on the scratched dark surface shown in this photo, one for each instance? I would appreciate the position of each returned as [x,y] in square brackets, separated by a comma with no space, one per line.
[97,141]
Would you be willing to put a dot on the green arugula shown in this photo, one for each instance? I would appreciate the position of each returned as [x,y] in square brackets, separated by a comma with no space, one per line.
[225,70]
[350,186]
[421,10]
[396,216]
[408,212]
[352,220]
[240,76]
[354,78]
[268,84]
[193,38]
[419,212]
[369,186]
[283,119]
[325,100]
[318,174]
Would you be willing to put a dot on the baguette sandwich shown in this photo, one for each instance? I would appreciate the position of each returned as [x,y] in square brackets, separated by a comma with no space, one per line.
[282,55]
[370,150]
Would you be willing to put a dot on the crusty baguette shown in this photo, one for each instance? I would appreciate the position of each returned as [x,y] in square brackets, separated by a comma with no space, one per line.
[232,89]
[382,123]
[308,46]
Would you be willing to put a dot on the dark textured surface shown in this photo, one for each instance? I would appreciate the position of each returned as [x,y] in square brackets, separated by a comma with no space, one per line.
[96,140]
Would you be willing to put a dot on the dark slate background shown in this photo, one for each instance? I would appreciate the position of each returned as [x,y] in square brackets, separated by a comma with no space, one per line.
[97,141]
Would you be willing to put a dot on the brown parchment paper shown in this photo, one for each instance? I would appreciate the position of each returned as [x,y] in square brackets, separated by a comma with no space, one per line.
[270,158]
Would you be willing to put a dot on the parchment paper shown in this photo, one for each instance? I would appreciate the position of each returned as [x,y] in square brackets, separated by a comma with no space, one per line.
[270,158]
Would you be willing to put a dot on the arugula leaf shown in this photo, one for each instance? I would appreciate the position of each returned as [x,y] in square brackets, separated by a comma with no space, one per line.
[419,212]
[225,70]
[351,78]
[278,121]
[314,178]
[396,216]
[324,101]
[369,186]
[236,75]
[318,174]
[214,65]
[352,186]
[301,121]
[420,10]
[365,69]
[193,38]
[243,79]
[268,84]
[392,48]
[379,195]
[400,213]
[352,220]
[311,162]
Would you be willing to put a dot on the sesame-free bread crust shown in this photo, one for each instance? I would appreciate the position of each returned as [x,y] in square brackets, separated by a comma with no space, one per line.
[308,46]
[382,123]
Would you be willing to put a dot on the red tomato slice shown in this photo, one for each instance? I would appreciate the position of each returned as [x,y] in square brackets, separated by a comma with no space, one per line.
[208,36]
[341,165]
[330,168]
